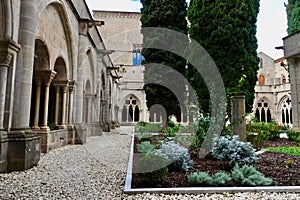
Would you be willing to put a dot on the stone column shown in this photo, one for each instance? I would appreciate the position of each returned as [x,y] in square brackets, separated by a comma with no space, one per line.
[37,103]
[142,117]
[294,67]
[64,104]
[88,106]
[133,113]
[4,64]
[238,113]
[127,112]
[48,77]
[27,31]
[57,90]
[71,101]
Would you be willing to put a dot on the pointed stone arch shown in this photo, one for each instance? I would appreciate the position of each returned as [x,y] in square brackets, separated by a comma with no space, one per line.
[42,78]
[264,110]
[131,109]
[285,107]
[56,11]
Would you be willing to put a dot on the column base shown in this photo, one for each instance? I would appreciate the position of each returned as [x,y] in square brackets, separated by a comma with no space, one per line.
[62,126]
[35,128]
[45,128]
[106,127]
[23,150]
[80,134]
[3,151]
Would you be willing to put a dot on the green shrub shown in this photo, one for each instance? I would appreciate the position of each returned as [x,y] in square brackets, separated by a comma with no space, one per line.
[201,130]
[146,127]
[221,178]
[171,123]
[170,132]
[197,141]
[293,136]
[142,123]
[200,178]
[249,176]
[257,140]
[266,131]
[151,169]
[145,147]
[53,126]
[233,150]
[144,137]
[177,155]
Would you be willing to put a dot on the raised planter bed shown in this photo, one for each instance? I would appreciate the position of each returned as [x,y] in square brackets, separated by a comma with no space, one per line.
[129,189]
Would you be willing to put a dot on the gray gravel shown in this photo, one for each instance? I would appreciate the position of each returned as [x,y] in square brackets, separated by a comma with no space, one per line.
[95,170]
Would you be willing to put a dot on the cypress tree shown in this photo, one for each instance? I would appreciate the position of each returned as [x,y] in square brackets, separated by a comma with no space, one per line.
[169,14]
[227,30]
[293,13]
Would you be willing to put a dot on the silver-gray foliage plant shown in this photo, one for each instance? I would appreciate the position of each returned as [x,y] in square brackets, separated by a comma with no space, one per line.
[233,150]
[177,155]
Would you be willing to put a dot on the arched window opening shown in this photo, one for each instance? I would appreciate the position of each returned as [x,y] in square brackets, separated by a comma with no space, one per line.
[263,112]
[261,80]
[131,110]
[287,112]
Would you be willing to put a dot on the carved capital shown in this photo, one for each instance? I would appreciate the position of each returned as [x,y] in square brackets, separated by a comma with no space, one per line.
[5,59]
[72,85]
[46,75]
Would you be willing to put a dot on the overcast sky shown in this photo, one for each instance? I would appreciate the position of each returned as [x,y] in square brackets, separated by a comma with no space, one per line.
[271,25]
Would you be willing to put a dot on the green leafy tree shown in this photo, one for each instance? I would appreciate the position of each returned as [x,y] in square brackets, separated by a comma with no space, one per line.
[293,13]
[169,14]
[227,31]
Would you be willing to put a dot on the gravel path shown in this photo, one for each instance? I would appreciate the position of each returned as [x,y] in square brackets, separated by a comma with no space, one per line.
[95,170]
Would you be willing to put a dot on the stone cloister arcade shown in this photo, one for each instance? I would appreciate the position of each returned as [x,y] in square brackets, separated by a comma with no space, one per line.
[57,82]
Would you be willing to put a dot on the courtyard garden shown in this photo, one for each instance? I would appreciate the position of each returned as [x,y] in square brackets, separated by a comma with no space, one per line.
[168,157]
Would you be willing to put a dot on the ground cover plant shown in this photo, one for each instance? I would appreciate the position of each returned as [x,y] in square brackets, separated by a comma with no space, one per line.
[292,151]
[233,168]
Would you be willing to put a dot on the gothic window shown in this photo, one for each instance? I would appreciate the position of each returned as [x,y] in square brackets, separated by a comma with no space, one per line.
[287,112]
[131,111]
[263,112]
[261,80]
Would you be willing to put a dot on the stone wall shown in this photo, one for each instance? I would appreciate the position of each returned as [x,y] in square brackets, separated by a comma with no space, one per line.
[272,89]
[121,34]
[292,54]
[54,75]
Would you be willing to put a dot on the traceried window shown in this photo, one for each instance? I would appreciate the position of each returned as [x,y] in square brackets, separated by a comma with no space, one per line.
[131,111]
[287,113]
[263,112]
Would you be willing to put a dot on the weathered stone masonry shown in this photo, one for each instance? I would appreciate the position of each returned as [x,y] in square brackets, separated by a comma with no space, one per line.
[56,83]
[292,54]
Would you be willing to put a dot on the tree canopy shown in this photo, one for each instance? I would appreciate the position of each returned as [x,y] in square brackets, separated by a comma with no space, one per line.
[227,31]
[293,14]
[169,14]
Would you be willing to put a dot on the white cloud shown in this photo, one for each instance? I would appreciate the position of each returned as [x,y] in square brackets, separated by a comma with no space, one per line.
[271,27]
[114,5]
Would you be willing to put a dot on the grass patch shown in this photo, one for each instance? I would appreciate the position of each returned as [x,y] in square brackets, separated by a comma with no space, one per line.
[292,151]
[150,127]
